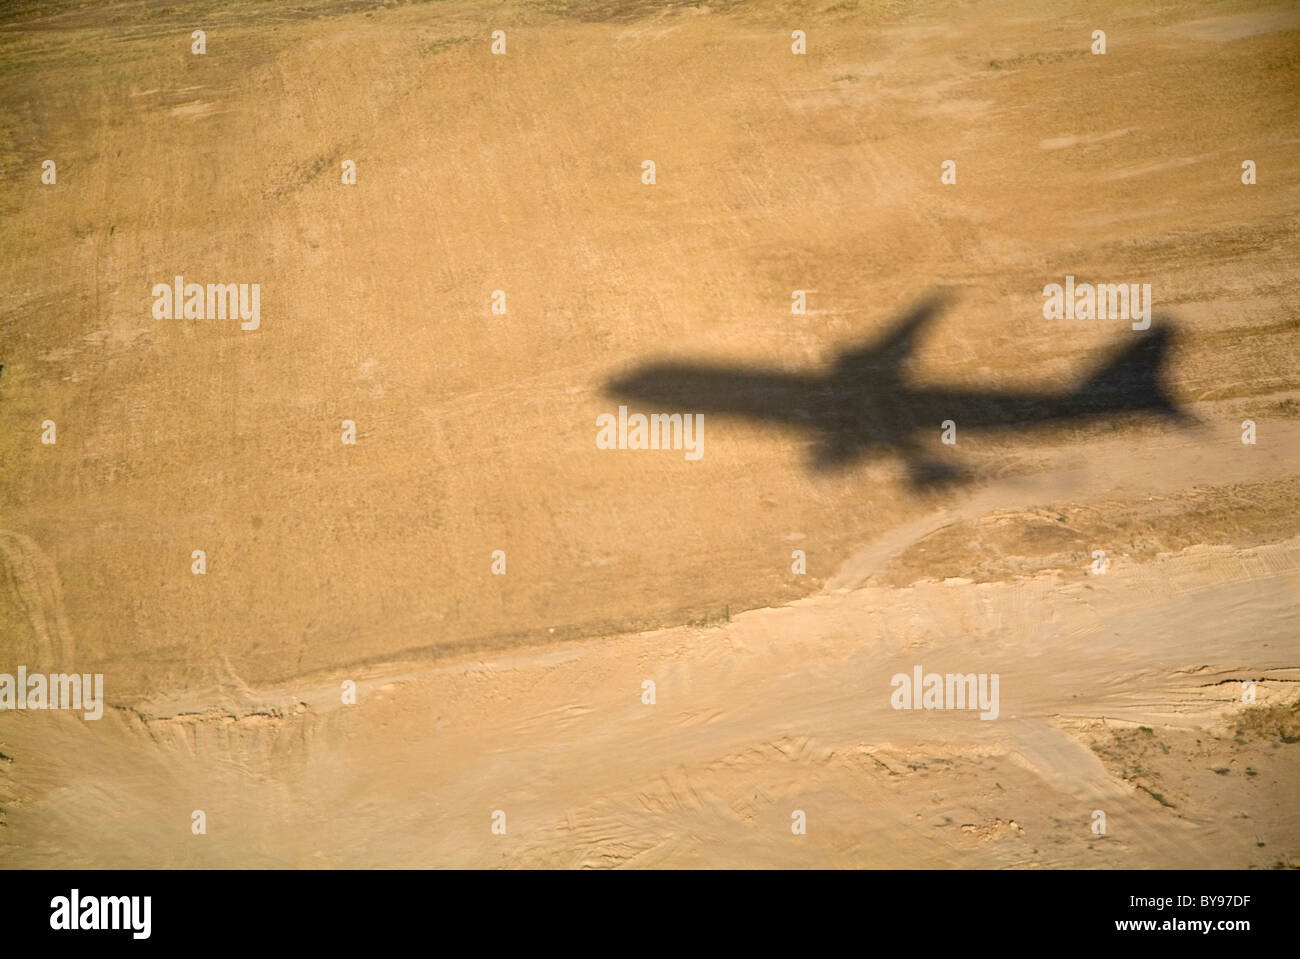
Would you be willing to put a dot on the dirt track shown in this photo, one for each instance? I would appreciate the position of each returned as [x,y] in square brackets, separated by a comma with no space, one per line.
[476,432]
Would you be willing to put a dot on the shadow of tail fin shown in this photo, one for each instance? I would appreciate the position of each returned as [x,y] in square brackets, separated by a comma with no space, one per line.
[1133,378]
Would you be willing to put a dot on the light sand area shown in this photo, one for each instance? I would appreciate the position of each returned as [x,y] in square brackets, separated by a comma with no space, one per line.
[1120,693]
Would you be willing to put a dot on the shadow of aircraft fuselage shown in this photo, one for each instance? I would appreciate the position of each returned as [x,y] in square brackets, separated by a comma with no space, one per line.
[866,403]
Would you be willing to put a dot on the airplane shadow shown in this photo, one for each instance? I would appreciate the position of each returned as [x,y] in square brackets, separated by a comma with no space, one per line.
[865,403]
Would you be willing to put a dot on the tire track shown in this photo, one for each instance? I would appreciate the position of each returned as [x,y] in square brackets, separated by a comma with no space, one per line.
[29,585]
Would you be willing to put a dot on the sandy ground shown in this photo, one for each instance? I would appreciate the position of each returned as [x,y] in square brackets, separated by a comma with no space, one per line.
[523,693]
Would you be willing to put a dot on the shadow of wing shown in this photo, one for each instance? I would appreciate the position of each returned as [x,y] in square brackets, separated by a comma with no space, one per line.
[887,355]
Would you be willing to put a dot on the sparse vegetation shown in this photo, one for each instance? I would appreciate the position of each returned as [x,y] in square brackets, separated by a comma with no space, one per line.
[1288,407]
[439,46]
[1280,721]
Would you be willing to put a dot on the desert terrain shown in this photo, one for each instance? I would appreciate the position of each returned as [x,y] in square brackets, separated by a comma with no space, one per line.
[521,690]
